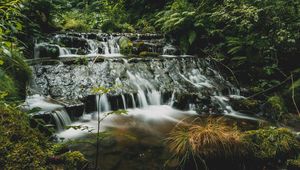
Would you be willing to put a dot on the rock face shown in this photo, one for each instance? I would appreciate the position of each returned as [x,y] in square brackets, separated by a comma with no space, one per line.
[150,72]
[184,82]
[92,44]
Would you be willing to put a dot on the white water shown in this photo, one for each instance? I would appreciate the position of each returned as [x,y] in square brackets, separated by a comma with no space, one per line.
[136,118]
[61,119]
[147,93]
[102,103]
[59,114]
[38,101]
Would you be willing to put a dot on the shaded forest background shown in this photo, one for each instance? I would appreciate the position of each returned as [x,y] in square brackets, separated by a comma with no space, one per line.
[256,42]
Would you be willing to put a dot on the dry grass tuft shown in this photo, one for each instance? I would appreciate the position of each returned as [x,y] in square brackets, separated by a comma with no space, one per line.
[207,139]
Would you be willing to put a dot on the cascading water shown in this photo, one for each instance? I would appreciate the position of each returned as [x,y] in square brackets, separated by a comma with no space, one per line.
[78,45]
[45,106]
[61,119]
[165,88]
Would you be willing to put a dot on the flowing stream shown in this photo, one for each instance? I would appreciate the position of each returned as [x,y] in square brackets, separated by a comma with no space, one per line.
[157,92]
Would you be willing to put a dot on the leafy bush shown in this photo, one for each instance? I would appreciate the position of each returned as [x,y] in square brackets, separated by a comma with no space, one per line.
[144,26]
[110,26]
[16,69]
[7,86]
[74,20]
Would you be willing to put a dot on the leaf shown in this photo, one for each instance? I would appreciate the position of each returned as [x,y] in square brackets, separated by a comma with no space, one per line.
[295,85]
[1,62]
[234,50]
[34,110]
[192,37]
[118,112]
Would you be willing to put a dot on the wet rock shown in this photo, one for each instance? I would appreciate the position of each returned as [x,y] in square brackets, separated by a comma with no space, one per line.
[126,45]
[45,50]
[74,108]
[249,106]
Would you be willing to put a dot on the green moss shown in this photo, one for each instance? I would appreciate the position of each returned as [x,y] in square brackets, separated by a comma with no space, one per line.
[246,105]
[275,108]
[293,164]
[21,146]
[272,144]
[73,160]
[148,54]
[126,45]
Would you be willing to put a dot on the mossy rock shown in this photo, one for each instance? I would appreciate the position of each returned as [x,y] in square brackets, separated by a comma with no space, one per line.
[139,47]
[73,160]
[272,145]
[250,106]
[126,45]
[293,164]
[148,54]
[22,147]
[274,108]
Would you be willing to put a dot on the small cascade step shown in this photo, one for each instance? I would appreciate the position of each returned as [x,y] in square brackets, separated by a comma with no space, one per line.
[72,44]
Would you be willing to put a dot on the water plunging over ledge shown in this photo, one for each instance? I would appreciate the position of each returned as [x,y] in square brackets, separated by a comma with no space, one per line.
[153,89]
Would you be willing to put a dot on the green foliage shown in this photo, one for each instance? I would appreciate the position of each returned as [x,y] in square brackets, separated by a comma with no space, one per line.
[275,108]
[178,19]
[82,61]
[272,144]
[144,26]
[14,72]
[293,164]
[73,160]
[7,86]
[21,146]
[74,20]
[110,26]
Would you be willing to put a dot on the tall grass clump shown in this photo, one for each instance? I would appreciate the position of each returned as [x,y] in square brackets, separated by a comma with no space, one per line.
[202,142]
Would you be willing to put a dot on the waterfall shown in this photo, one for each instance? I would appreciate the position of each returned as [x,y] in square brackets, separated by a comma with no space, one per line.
[172,98]
[182,82]
[169,50]
[142,98]
[105,47]
[123,101]
[93,46]
[61,119]
[102,103]
[133,101]
[64,51]
[113,45]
